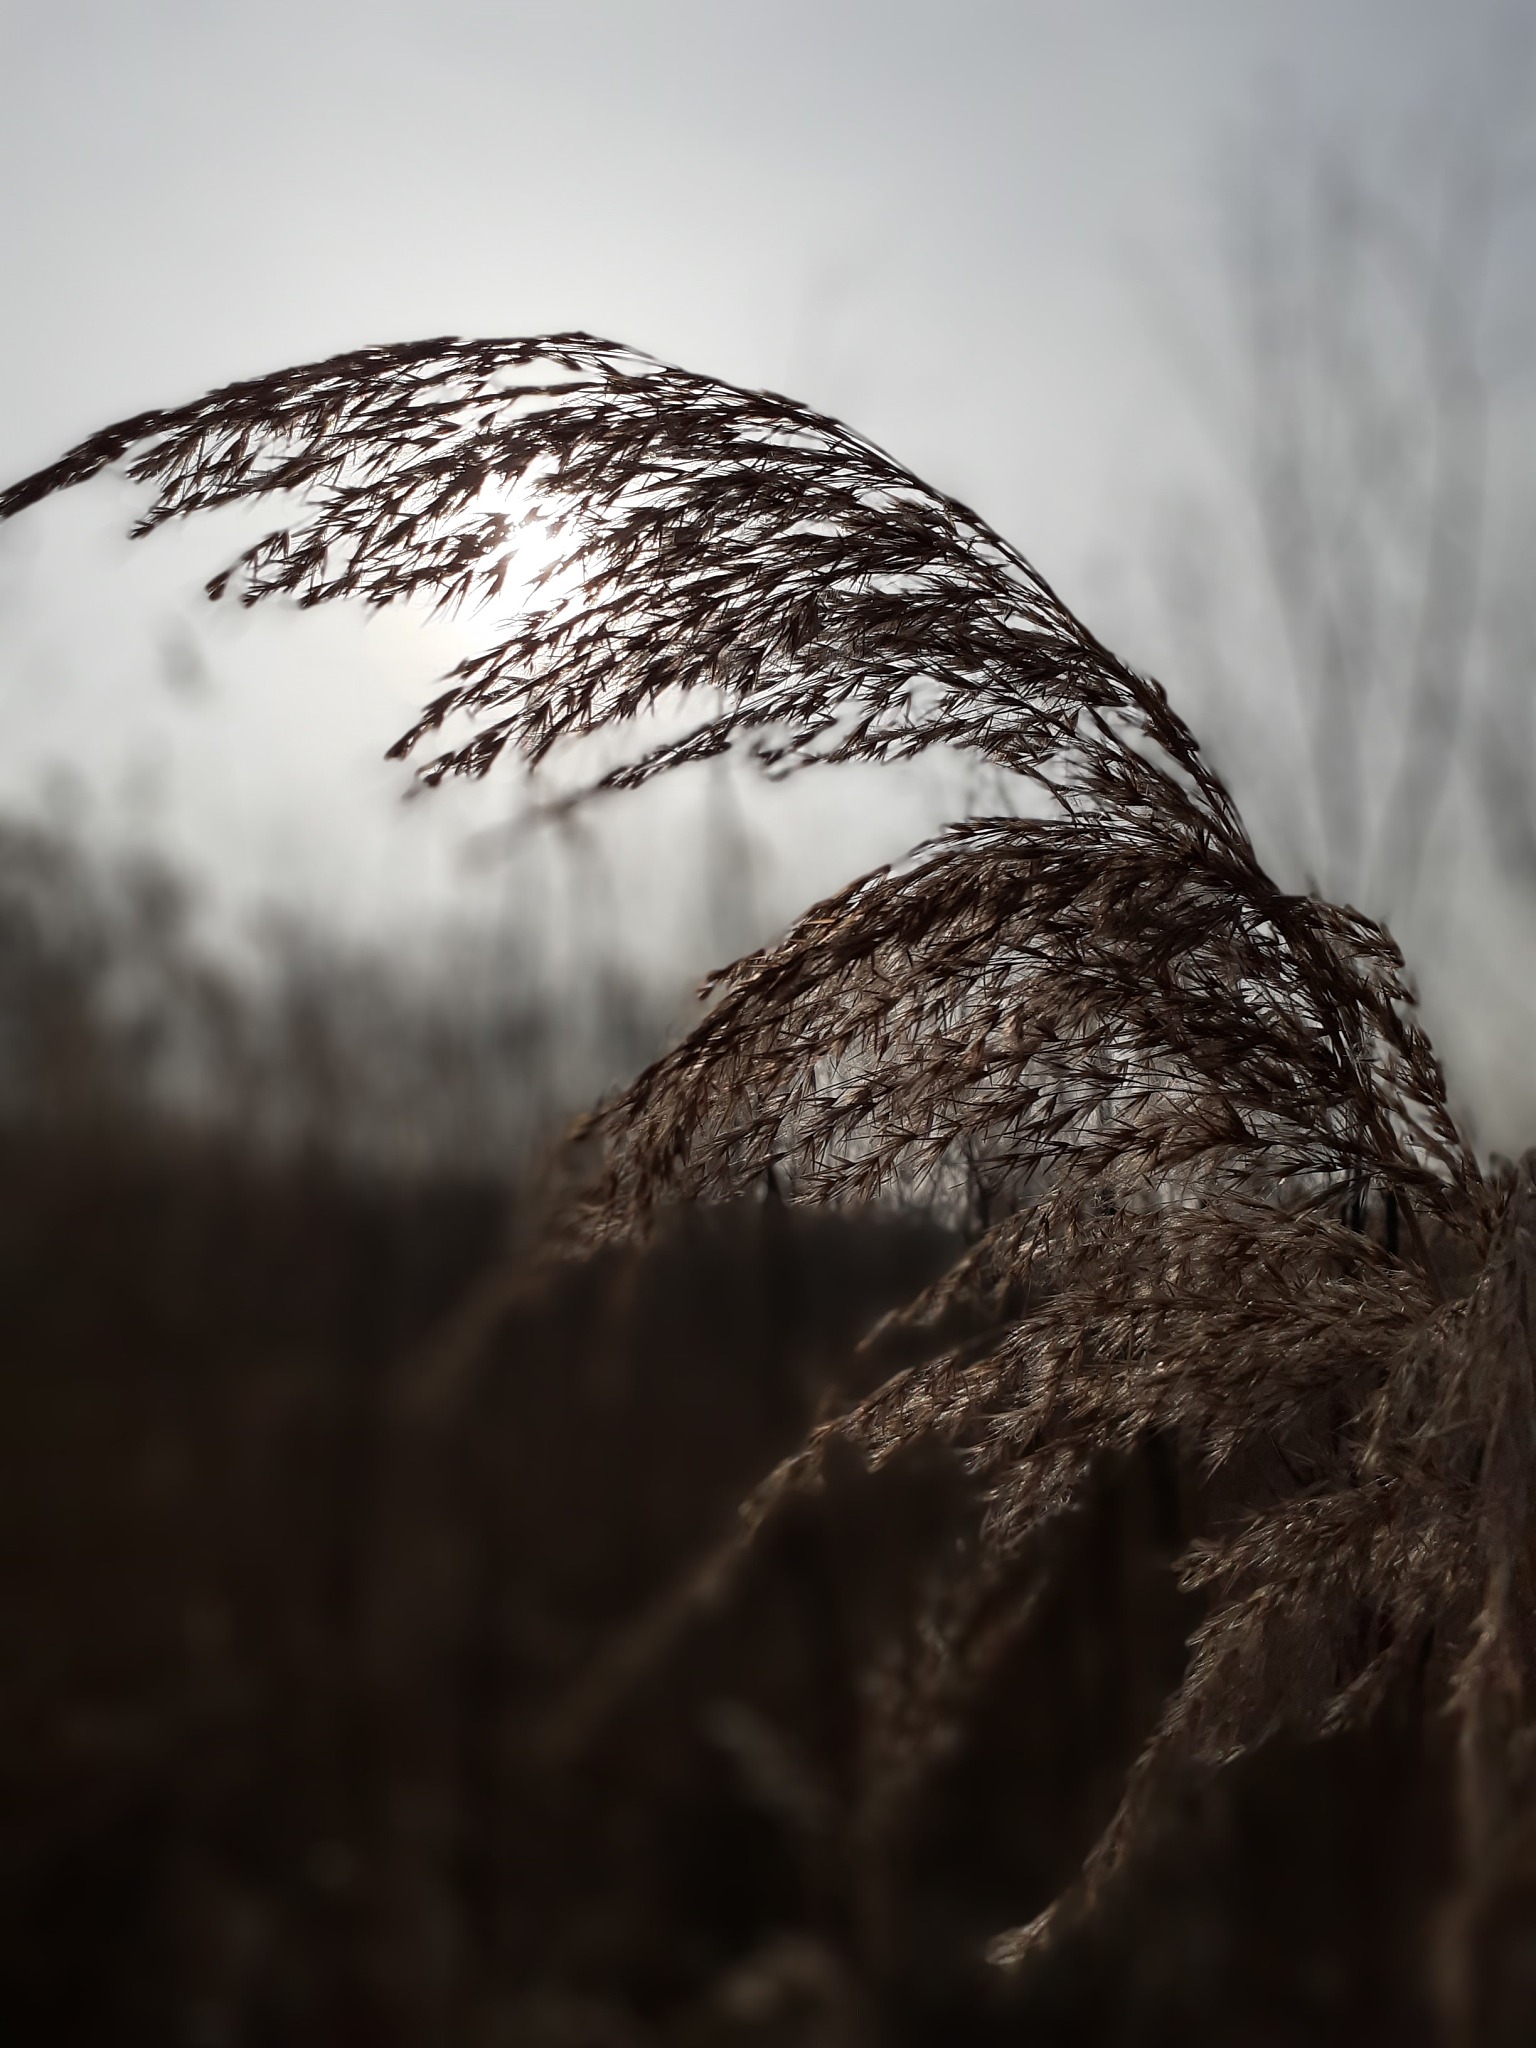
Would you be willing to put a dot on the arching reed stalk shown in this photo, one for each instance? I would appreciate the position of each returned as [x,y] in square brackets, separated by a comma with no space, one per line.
[1218,1193]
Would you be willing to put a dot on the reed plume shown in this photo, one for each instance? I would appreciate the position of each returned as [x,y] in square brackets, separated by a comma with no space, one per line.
[1213,1188]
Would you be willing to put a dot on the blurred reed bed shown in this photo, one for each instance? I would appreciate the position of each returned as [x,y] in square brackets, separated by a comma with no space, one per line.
[325,1494]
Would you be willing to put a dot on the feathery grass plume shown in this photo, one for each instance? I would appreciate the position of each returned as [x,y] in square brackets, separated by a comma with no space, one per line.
[1223,1198]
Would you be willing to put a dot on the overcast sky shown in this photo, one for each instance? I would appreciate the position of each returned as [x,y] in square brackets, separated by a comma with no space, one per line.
[942,217]
[984,233]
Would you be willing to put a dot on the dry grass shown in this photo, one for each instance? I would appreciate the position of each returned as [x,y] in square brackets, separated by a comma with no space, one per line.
[1214,1193]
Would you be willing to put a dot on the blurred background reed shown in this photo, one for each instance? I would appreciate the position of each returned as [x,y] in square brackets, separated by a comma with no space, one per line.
[323,1495]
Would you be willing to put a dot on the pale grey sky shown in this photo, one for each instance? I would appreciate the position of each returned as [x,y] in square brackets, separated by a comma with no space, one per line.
[982,232]
[923,212]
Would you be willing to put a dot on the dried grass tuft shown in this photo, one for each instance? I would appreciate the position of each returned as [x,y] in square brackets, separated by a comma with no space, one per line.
[1215,1191]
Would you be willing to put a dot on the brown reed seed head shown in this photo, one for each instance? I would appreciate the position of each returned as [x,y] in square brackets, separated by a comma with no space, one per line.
[1223,1198]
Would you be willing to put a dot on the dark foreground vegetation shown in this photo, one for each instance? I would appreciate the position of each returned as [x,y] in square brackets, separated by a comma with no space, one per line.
[323,1501]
